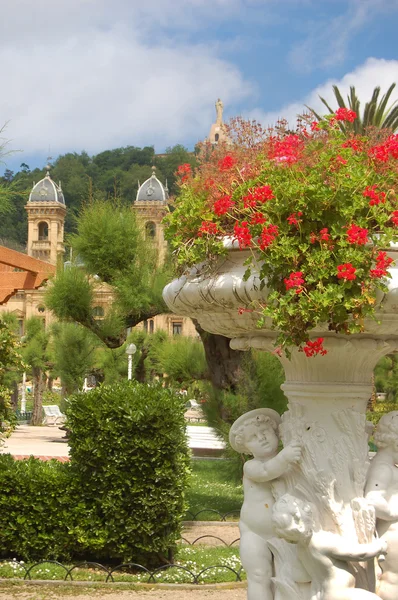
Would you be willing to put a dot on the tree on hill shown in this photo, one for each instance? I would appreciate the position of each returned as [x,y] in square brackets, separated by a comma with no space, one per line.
[377,112]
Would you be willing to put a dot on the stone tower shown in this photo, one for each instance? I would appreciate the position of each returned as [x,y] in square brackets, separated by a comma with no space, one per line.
[217,130]
[46,216]
[151,207]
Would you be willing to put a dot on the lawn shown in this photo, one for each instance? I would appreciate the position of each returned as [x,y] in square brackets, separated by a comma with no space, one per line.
[208,565]
[213,487]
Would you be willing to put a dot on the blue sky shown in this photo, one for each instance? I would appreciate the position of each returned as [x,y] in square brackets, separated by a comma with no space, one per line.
[96,74]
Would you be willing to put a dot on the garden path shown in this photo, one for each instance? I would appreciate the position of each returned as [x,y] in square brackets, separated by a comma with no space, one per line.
[49,442]
[44,593]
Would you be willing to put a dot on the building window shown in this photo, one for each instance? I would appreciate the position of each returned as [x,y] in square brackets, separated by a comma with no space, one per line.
[98,311]
[20,327]
[41,308]
[151,326]
[43,231]
[216,137]
[177,327]
[150,230]
[146,326]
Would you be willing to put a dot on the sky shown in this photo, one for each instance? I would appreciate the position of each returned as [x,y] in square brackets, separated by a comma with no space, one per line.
[99,74]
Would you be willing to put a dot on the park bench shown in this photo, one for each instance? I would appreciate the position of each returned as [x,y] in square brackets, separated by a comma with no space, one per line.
[52,415]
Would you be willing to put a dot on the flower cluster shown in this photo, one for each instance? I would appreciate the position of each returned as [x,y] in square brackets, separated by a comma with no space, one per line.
[345,114]
[315,347]
[346,271]
[222,205]
[295,280]
[382,263]
[313,211]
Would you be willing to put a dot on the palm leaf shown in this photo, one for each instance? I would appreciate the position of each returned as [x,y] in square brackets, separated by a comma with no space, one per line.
[339,97]
[326,104]
[391,121]
[380,113]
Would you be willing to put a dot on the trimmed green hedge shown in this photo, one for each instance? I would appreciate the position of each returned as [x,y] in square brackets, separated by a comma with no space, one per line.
[122,495]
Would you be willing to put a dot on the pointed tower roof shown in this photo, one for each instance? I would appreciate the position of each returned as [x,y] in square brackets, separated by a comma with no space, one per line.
[152,190]
[46,190]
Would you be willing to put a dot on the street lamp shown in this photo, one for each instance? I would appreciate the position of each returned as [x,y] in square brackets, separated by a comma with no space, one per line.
[130,350]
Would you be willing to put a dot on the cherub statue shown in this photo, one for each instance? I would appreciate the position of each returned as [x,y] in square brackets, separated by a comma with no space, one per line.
[323,554]
[382,493]
[256,433]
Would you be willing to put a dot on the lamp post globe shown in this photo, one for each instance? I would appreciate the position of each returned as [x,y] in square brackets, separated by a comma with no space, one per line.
[130,350]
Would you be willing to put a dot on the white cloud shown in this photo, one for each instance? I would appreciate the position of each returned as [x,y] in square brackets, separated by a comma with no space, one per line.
[374,72]
[93,74]
[328,40]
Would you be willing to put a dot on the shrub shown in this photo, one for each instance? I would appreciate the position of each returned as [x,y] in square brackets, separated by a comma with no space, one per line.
[35,509]
[121,497]
[130,456]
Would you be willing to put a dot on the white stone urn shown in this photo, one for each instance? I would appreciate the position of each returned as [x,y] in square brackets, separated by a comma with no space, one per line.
[327,394]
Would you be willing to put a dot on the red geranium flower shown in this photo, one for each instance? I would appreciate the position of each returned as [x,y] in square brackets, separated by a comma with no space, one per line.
[294,218]
[315,347]
[382,152]
[394,217]
[226,163]
[184,169]
[258,219]
[268,235]
[357,235]
[315,126]
[207,227]
[258,195]
[354,144]
[295,280]
[222,205]
[345,114]
[346,271]
[375,198]
[382,263]
[242,234]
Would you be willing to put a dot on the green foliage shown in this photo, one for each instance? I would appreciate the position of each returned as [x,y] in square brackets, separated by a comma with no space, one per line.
[10,361]
[35,348]
[122,495]
[181,358]
[109,246]
[36,502]
[112,173]
[70,296]
[386,377]
[103,225]
[294,209]
[376,113]
[72,353]
[129,451]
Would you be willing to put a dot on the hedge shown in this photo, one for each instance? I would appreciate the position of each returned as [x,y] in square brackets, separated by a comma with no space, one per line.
[121,497]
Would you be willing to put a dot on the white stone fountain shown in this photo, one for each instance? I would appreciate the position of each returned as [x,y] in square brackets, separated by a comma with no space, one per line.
[326,414]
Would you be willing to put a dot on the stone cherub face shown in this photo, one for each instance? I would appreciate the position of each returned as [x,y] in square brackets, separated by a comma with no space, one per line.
[256,434]
[386,434]
[293,519]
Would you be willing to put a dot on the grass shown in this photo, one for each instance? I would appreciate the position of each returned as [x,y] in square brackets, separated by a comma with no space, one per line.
[212,487]
[218,562]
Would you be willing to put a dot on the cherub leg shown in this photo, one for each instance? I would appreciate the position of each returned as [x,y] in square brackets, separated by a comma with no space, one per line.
[256,559]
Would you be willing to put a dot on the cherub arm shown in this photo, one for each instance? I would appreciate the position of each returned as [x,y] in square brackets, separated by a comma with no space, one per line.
[379,481]
[267,470]
[339,548]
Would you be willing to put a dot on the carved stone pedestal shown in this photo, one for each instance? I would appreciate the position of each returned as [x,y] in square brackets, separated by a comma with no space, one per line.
[327,397]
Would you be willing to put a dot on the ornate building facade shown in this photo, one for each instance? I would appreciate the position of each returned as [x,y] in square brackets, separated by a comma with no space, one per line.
[46,216]
[151,206]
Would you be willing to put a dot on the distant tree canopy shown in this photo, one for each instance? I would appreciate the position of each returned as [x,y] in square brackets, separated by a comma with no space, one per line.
[109,174]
